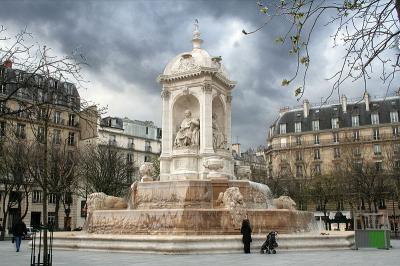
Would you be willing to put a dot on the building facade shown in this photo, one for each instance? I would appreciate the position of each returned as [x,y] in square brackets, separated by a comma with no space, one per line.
[314,140]
[33,106]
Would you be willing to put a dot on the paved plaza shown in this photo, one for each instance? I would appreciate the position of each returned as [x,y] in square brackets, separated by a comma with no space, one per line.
[363,257]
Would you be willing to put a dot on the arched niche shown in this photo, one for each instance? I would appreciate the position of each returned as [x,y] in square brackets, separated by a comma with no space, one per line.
[218,110]
[181,104]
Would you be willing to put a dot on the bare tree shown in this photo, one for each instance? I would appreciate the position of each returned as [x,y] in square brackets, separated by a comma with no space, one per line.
[15,180]
[105,169]
[369,30]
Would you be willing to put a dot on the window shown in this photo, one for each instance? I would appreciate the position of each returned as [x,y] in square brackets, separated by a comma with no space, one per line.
[40,134]
[283,142]
[56,136]
[299,156]
[316,139]
[51,218]
[3,107]
[315,125]
[282,128]
[71,138]
[317,169]
[375,133]
[355,121]
[299,171]
[298,140]
[317,154]
[374,118]
[395,131]
[147,130]
[57,117]
[378,166]
[397,164]
[52,198]
[36,196]
[71,120]
[112,140]
[396,148]
[130,143]
[20,132]
[297,127]
[357,151]
[335,122]
[377,149]
[147,146]
[83,208]
[129,157]
[146,158]
[2,129]
[336,153]
[336,137]
[42,113]
[394,117]
[129,176]
[356,135]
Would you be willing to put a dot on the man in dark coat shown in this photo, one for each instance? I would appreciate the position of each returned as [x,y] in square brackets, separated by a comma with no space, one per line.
[246,232]
[19,230]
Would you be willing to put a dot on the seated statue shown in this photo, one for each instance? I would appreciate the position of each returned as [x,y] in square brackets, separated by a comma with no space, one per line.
[188,133]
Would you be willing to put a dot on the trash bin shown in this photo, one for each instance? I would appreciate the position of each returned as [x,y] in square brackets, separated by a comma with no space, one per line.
[372,238]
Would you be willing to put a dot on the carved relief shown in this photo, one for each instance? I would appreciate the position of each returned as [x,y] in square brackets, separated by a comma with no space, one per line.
[189,132]
[229,98]
[207,88]
[165,94]
[186,64]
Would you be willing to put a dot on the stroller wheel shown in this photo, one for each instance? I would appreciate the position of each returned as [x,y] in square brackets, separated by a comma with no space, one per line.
[273,251]
[268,251]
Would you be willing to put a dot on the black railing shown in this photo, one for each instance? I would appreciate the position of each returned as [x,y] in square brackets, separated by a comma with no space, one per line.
[37,248]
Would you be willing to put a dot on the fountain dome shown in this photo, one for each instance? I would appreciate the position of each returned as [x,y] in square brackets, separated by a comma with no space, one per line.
[196,60]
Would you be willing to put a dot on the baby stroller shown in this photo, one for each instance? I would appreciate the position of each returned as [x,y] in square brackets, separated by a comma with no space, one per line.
[270,244]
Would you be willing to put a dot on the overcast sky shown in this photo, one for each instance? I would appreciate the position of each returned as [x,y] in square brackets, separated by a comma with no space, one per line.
[128,43]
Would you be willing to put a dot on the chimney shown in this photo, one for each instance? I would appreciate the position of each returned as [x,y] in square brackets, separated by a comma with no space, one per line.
[306,108]
[366,100]
[344,103]
[283,110]
[8,63]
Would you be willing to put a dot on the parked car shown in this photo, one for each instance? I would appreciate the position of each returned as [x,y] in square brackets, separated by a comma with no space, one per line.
[29,232]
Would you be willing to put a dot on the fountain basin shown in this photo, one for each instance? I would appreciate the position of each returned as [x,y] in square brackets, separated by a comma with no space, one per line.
[196,221]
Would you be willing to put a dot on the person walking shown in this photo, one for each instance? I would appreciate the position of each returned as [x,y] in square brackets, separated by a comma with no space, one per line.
[19,230]
[246,232]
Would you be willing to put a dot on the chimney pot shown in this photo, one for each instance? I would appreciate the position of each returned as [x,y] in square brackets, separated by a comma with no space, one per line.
[306,108]
[344,103]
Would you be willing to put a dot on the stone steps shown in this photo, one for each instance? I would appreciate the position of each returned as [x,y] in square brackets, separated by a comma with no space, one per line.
[205,244]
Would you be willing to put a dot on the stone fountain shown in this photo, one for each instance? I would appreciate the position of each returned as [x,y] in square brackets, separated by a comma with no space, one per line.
[198,200]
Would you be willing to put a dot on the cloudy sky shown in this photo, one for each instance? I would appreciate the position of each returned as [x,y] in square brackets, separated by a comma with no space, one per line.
[128,43]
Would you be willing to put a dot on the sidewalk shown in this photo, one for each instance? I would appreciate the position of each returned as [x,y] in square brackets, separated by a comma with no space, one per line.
[365,257]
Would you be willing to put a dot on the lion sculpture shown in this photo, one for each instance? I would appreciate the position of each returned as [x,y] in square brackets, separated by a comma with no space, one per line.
[232,199]
[284,202]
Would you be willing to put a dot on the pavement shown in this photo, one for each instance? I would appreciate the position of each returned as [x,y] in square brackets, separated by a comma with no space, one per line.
[364,257]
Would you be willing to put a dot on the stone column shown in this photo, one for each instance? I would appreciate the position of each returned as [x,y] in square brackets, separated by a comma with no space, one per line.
[166,139]
[229,121]
[206,142]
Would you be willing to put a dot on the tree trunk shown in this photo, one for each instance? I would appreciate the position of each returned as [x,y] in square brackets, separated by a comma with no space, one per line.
[397,5]
[56,209]
[26,206]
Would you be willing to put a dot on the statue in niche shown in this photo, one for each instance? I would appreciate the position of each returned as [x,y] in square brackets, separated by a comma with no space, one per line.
[189,131]
[219,140]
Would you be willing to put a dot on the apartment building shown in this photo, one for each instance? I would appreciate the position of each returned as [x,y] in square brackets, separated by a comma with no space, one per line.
[30,106]
[313,140]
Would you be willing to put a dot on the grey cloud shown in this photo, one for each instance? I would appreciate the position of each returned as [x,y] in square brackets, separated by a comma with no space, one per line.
[130,42]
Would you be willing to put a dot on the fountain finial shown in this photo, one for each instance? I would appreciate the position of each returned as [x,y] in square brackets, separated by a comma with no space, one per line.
[197,41]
